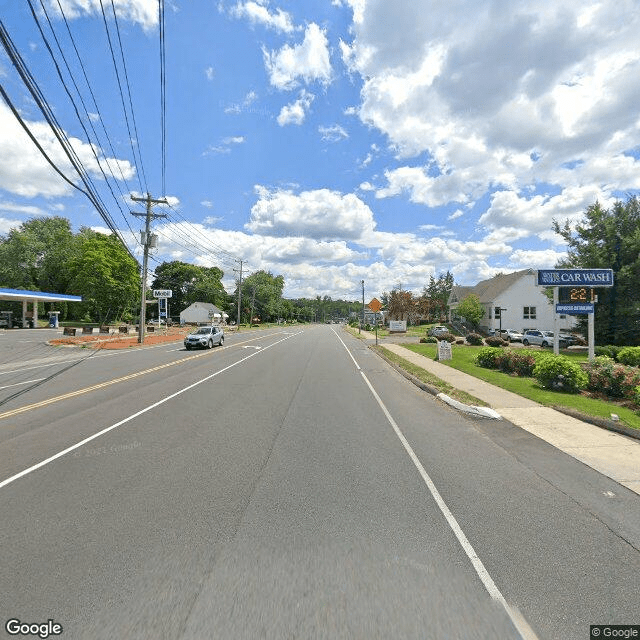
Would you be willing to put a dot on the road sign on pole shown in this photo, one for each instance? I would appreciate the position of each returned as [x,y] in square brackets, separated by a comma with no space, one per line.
[162,293]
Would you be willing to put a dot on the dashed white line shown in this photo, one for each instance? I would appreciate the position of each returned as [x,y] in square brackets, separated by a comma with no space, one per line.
[45,462]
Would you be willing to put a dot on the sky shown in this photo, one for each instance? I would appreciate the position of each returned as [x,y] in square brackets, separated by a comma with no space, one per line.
[328,141]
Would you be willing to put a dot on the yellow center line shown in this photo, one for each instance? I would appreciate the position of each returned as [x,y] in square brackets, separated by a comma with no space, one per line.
[108,383]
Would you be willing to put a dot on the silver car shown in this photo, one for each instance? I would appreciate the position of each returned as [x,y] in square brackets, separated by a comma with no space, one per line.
[204,338]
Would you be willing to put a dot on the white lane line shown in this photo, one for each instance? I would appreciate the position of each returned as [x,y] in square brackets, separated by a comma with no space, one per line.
[525,631]
[347,349]
[73,447]
[17,384]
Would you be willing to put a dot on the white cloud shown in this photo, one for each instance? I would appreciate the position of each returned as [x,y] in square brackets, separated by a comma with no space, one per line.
[207,204]
[307,62]
[439,83]
[258,13]
[296,112]
[543,259]
[321,214]
[334,133]
[210,73]
[25,172]
[142,12]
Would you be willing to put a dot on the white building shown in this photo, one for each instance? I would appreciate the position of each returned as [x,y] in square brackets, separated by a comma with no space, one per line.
[202,313]
[513,301]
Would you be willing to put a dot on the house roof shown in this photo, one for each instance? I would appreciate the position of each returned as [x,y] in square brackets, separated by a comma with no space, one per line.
[488,290]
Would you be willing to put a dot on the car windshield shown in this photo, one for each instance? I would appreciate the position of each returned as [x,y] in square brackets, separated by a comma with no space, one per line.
[203,330]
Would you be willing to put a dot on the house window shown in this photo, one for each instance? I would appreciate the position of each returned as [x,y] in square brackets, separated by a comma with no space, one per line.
[496,313]
[529,313]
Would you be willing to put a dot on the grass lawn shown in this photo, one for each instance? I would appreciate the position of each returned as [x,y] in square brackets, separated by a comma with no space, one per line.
[464,360]
[431,380]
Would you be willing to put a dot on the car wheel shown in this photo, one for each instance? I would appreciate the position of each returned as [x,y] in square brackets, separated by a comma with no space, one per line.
[525,343]
[221,340]
[187,347]
[544,344]
[210,344]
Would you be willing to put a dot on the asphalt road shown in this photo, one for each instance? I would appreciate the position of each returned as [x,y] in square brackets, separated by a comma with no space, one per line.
[290,485]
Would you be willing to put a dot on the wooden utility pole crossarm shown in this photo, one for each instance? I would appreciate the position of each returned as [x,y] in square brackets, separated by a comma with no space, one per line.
[146,243]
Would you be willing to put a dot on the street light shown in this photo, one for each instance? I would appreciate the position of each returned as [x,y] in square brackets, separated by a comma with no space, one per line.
[500,309]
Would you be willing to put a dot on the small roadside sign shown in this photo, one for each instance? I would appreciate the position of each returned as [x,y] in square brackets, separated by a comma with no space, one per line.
[162,293]
[444,350]
[375,305]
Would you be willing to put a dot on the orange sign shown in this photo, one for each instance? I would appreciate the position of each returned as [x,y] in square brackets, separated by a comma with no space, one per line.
[375,305]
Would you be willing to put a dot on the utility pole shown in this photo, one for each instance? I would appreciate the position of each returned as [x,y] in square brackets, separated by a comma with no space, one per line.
[362,323]
[147,241]
[239,293]
[253,301]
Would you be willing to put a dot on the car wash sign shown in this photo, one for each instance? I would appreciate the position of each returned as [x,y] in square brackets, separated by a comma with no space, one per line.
[575,277]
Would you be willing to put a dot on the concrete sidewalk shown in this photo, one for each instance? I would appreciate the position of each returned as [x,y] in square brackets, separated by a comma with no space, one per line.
[614,455]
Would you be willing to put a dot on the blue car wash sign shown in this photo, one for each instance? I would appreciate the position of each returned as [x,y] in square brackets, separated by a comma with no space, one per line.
[573,277]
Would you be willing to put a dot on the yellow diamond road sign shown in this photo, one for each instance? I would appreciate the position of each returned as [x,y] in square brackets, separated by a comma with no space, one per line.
[375,305]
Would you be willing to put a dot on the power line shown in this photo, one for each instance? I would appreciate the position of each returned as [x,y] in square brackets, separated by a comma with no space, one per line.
[68,92]
[124,108]
[163,92]
[42,104]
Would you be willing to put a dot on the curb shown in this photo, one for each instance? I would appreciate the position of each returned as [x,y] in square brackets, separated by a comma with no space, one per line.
[480,412]
[603,423]
[609,425]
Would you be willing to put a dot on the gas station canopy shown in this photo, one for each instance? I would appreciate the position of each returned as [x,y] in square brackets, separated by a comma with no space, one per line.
[32,298]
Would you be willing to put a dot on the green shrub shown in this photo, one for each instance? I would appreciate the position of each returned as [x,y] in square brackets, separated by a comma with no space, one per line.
[487,357]
[629,356]
[475,339]
[449,337]
[609,350]
[636,397]
[495,341]
[521,362]
[612,379]
[429,339]
[559,373]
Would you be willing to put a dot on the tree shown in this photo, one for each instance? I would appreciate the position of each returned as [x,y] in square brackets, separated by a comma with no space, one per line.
[105,275]
[35,255]
[191,283]
[262,295]
[437,293]
[471,309]
[609,239]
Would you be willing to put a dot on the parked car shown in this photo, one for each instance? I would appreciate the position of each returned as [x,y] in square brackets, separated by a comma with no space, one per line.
[204,338]
[438,330]
[511,335]
[541,338]
[570,339]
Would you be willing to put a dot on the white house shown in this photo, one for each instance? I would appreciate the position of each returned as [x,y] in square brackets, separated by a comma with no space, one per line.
[202,313]
[512,301]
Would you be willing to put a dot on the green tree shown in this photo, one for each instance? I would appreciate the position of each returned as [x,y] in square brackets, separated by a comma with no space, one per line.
[609,239]
[471,309]
[191,283]
[105,275]
[437,294]
[35,255]
[262,295]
